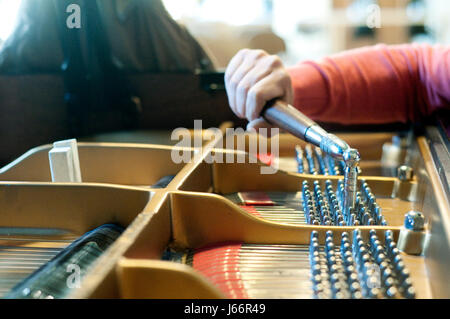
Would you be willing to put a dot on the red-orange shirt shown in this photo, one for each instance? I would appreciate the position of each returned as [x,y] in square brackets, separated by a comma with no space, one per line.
[373,85]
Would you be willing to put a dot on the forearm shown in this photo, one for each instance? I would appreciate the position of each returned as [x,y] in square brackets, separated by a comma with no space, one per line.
[380,84]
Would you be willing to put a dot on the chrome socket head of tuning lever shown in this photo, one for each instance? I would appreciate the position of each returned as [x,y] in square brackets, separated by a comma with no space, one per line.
[351,159]
[328,143]
[337,148]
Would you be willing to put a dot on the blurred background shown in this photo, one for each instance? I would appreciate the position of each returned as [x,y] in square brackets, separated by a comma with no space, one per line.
[304,29]
[296,30]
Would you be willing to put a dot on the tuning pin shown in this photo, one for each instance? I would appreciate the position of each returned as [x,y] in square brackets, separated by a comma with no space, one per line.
[410,293]
[391,292]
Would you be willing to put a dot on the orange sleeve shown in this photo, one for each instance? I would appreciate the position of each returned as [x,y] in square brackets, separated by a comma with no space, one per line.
[374,85]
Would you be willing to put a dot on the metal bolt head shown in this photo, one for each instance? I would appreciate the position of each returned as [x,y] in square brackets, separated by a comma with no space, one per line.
[414,221]
[351,157]
[405,173]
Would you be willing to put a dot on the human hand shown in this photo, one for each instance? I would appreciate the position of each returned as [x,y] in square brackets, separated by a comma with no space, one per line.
[252,78]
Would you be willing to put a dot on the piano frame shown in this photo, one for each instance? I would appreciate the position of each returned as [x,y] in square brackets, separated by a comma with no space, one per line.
[190,211]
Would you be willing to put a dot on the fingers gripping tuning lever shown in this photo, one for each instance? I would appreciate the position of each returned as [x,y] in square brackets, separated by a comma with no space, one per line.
[285,116]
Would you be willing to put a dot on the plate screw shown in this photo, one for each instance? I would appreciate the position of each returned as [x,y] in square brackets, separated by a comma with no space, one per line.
[405,173]
[414,221]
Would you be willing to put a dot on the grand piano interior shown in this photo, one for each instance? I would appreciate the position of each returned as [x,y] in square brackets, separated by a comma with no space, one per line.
[140,225]
[224,230]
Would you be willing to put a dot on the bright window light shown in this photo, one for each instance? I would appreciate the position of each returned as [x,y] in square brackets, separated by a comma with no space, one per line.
[235,12]
[180,9]
[8,16]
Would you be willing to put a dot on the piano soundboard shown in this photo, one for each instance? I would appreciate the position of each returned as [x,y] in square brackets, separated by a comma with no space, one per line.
[142,226]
